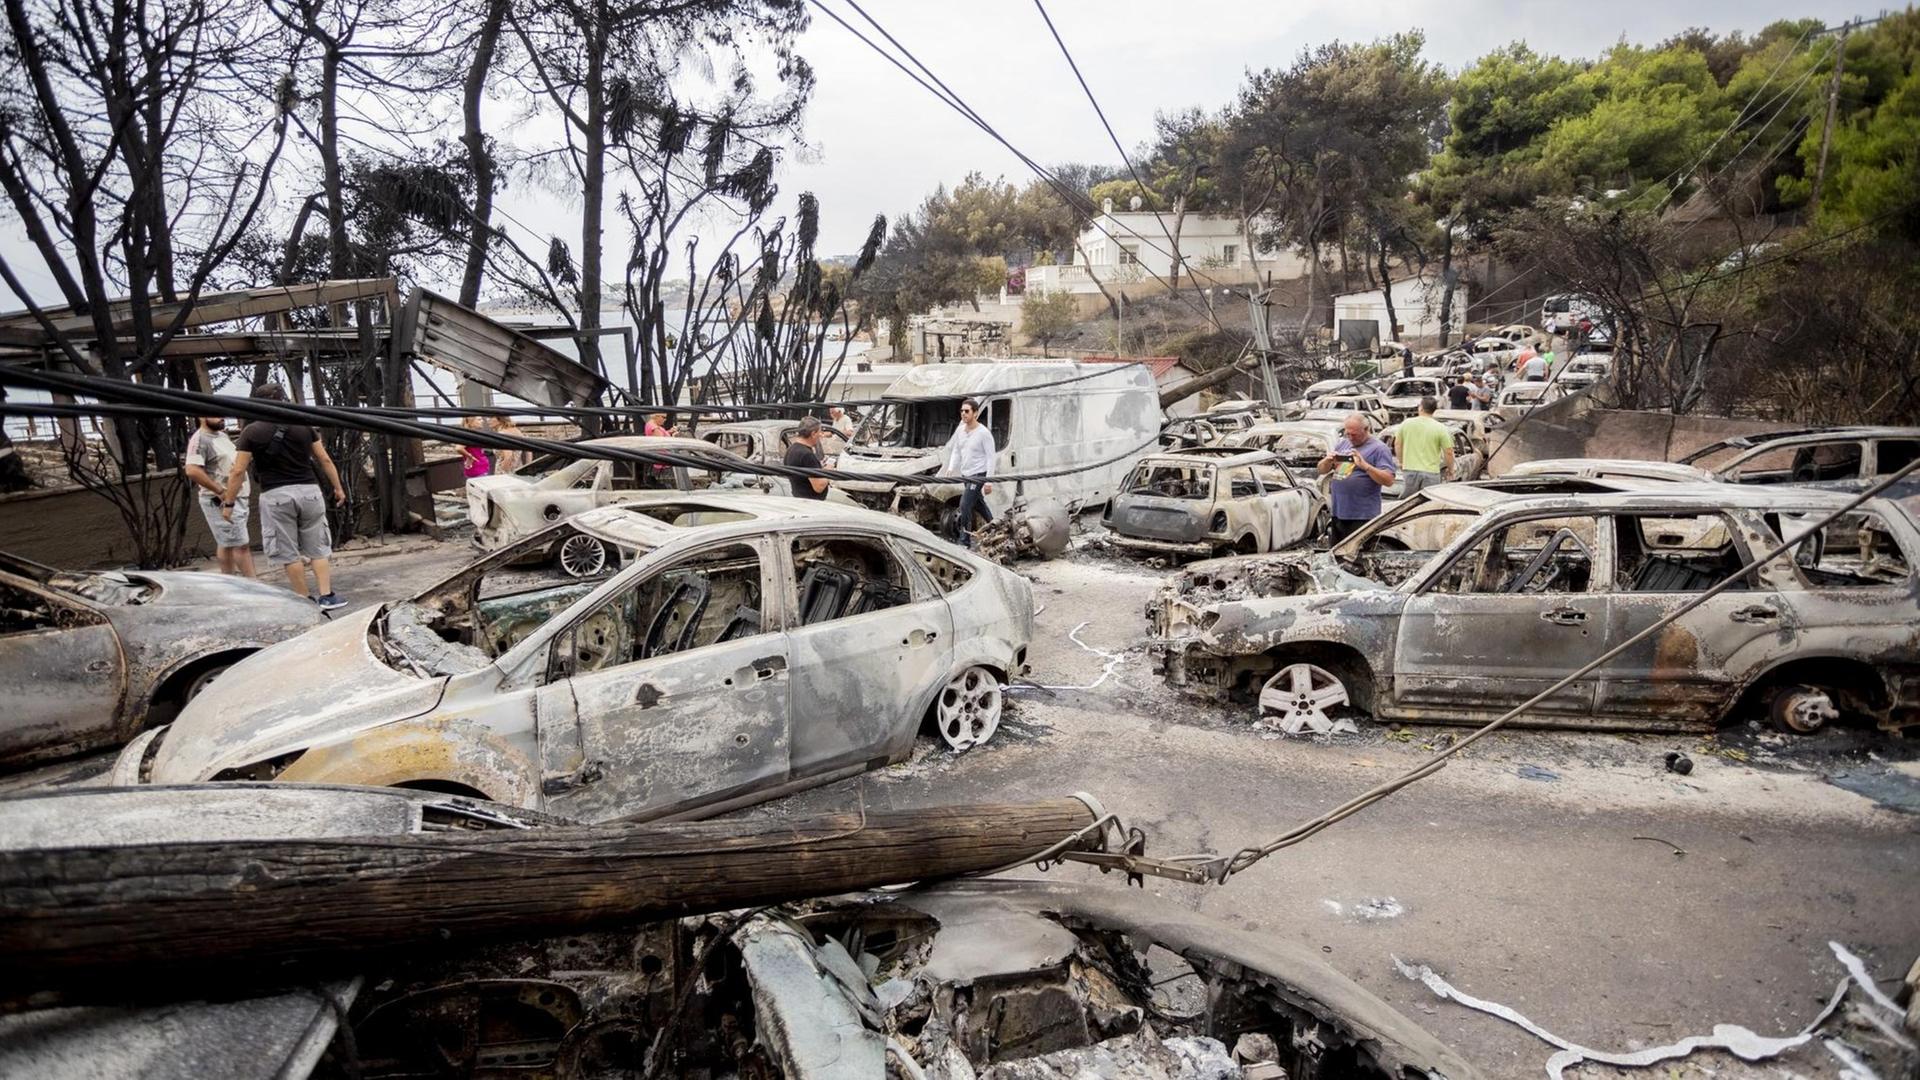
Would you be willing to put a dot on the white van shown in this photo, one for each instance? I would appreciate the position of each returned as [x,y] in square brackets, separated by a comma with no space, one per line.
[1110,411]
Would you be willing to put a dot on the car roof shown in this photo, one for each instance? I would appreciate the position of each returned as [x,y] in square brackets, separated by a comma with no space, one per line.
[1297,427]
[625,521]
[660,442]
[1225,457]
[752,425]
[1697,496]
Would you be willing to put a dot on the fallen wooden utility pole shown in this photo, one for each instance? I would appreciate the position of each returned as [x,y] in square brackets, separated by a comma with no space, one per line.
[261,910]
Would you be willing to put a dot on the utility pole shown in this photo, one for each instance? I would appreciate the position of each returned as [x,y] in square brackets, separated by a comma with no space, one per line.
[1833,102]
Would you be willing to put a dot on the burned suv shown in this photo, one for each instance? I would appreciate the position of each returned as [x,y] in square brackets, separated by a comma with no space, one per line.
[1468,600]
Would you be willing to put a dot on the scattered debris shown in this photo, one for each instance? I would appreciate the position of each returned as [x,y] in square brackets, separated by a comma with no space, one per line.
[1678,762]
[1535,772]
[1678,851]
[1730,1037]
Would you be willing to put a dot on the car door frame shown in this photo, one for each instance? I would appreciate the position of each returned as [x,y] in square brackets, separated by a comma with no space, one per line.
[1277,499]
[1487,691]
[119,714]
[932,618]
[747,680]
[1701,674]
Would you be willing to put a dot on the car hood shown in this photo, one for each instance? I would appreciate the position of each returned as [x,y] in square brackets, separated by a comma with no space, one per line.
[1246,585]
[890,461]
[318,687]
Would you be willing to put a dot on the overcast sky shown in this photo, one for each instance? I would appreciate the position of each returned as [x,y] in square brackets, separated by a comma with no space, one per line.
[878,143]
[881,143]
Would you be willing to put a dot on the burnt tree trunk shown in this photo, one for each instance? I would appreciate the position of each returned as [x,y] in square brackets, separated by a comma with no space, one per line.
[73,920]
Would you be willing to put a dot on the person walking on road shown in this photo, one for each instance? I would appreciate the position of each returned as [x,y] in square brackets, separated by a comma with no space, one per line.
[210,457]
[293,516]
[1425,450]
[1361,465]
[803,452]
[970,454]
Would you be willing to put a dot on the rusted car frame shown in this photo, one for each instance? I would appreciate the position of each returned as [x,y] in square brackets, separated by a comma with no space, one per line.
[87,660]
[1205,501]
[718,650]
[1521,590]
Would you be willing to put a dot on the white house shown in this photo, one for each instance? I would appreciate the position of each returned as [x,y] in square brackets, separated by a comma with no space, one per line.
[1136,246]
[1362,317]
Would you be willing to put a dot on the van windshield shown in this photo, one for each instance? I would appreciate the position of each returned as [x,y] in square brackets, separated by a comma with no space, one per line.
[927,425]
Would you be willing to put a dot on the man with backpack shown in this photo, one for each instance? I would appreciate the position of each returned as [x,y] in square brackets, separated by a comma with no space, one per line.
[293,516]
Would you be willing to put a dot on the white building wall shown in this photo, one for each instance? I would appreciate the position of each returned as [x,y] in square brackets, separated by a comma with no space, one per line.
[1416,303]
[1122,248]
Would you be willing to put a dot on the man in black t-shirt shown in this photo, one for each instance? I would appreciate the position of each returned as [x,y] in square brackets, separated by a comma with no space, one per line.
[293,516]
[1460,395]
[804,453]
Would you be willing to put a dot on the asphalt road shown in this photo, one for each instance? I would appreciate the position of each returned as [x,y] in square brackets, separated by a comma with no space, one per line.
[1535,887]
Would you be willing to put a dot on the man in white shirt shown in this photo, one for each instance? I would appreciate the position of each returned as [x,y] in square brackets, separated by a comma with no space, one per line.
[838,420]
[210,456]
[970,454]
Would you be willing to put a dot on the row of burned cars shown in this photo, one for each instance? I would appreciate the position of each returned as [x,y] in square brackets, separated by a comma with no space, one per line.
[1473,598]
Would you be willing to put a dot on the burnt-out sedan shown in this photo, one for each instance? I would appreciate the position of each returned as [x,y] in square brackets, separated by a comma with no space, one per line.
[1211,499]
[88,659]
[1469,600]
[724,649]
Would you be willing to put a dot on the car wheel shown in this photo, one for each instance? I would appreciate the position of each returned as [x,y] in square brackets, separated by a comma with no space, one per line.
[1300,697]
[201,681]
[582,556]
[968,712]
[1323,524]
[1801,709]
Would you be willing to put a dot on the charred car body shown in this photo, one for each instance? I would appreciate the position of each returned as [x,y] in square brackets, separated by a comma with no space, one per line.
[507,506]
[1205,501]
[1468,600]
[766,441]
[88,660]
[698,652]
[1110,415]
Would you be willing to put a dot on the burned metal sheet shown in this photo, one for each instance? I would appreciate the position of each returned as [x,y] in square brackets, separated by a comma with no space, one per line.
[459,339]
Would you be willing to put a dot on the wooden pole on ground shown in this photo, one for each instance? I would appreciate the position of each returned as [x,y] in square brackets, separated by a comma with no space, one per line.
[84,920]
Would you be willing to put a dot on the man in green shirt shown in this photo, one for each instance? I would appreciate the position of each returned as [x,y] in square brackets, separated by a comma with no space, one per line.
[1425,449]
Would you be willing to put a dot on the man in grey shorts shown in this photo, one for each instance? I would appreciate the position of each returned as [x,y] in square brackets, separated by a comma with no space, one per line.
[209,463]
[293,516]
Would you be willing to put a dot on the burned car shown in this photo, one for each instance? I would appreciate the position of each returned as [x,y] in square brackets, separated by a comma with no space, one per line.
[1299,444]
[1402,397]
[1470,599]
[687,654]
[766,441]
[507,506]
[1844,459]
[1205,501]
[1612,468]
[88,660]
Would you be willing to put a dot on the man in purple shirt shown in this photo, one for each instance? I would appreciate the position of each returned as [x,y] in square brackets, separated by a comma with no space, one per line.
[1361,465]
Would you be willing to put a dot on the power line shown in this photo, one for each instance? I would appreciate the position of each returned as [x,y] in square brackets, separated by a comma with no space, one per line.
[114,395]
[1173,256]
[954,101]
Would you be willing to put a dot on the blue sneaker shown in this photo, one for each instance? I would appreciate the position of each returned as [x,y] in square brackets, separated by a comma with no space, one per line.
[330,602]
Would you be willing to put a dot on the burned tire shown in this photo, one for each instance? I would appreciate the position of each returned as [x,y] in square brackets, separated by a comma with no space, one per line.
[967,712]
[201,680]
[1799,709]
